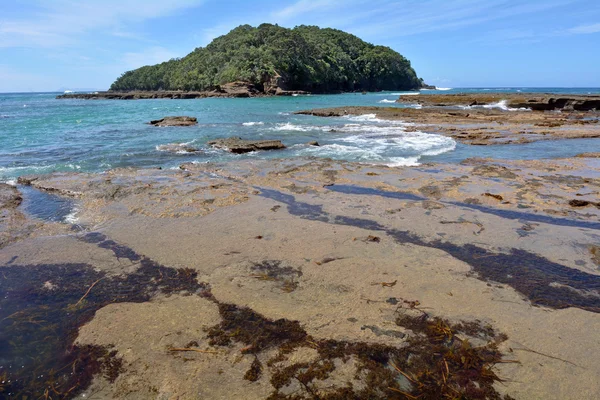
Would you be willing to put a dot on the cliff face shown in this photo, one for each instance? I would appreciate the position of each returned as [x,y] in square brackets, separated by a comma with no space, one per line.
[272,58]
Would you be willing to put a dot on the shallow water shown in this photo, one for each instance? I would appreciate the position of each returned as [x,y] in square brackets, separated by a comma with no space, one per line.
[40,134]
[46,206]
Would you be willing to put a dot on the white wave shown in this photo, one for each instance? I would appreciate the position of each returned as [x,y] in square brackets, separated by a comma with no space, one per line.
[403,161]
[443,88]
[177,148]
[253,123]
[502,105]
[387,101]
[381,144]
[11,182]
[72,218]
[74,166]
[288,126]
[373,118]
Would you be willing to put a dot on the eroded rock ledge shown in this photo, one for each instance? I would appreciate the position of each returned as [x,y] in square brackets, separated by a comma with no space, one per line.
[230,90]
[238,145]
[536,102]
[482,126]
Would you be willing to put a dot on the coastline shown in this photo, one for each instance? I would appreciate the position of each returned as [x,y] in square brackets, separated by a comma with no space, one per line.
[484,119]
[346,250]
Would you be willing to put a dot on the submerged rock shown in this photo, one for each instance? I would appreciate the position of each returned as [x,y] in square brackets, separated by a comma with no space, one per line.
[238,145]
[177,148]
[588,155]
[175,121]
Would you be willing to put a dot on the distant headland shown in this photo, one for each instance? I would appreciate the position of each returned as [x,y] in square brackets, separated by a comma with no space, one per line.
[270,60]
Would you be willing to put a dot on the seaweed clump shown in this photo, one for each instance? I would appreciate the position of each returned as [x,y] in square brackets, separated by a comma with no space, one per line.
[274,270]
[43,306]
[436,361]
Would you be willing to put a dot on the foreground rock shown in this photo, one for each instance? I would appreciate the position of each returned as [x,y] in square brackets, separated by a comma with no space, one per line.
[175,121]
[533,101]
[483,126]
[342,267]
[238,145]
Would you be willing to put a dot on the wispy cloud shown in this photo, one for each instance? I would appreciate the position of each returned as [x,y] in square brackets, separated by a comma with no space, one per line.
[304,7]
[585,29]
[59,22]
[414,17]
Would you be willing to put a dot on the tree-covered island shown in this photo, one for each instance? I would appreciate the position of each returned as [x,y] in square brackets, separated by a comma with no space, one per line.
[271,59]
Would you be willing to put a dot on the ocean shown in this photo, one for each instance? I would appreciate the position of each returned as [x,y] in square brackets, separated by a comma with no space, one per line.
[39,134]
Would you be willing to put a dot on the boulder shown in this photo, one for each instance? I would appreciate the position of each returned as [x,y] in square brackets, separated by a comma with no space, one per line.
[238,145]
[175,121]
[313,143]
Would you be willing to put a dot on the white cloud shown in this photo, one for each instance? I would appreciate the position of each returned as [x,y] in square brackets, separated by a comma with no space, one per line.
[585,29]
[59,22]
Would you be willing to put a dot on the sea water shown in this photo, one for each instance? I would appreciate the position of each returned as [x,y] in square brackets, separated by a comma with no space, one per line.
[40,134]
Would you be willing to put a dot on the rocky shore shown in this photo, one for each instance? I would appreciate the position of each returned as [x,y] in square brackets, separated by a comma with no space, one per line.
[310,278]
[230,90]
[532,101]
[480,120]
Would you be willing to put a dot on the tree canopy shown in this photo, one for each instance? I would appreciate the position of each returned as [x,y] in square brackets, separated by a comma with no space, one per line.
[304,58]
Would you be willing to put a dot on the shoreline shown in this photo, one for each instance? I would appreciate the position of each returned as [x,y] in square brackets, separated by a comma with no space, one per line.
[488,119]
[350,251]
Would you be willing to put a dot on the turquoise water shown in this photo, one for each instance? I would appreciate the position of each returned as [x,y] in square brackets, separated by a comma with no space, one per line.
[40,134]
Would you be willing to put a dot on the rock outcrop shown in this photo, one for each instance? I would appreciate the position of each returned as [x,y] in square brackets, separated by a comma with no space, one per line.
[238,145]
[532,101]
[175,121]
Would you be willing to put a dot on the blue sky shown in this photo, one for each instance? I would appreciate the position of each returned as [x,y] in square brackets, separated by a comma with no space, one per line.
[46,45]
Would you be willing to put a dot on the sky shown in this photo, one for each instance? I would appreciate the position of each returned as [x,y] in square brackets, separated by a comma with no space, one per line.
[51,45]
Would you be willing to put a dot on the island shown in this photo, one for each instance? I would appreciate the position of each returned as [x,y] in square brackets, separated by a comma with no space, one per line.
[269,60]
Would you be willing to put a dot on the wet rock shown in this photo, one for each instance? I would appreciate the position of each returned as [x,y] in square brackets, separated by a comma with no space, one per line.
[10,197]
[238,145]
[588,155]
[175,121]
[595,252]
[495,196]
[583,203]
[383,332]
[177,148]
[313,143]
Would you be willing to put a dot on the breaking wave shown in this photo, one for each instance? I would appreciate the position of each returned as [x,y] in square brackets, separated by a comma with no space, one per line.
[502,105]
[178,148]
[380,144]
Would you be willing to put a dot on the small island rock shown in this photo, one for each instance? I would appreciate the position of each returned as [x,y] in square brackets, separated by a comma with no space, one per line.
[238,145]
[175,121]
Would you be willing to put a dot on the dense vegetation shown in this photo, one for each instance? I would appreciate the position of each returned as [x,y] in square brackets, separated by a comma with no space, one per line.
[304,58]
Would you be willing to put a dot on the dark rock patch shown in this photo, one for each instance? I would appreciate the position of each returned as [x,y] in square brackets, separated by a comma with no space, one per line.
[238,145]
[175,121]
